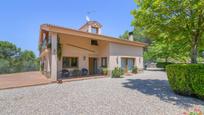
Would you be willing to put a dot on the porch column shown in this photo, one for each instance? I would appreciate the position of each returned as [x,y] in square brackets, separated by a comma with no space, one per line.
[53,37]
[48,65]
[109,66]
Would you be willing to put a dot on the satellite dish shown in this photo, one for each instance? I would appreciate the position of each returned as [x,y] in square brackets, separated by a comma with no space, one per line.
[87,19]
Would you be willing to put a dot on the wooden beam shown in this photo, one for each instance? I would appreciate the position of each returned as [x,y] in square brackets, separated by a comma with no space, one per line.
[81,48]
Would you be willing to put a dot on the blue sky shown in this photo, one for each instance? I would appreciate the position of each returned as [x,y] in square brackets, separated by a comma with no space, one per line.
[20,19]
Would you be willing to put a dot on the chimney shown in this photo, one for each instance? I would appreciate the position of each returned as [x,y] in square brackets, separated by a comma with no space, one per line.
[131,37]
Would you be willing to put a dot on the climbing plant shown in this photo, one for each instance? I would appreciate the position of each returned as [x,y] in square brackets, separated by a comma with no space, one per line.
[59,48]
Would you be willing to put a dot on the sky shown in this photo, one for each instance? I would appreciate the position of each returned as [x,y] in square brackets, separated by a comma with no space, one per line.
[20,20]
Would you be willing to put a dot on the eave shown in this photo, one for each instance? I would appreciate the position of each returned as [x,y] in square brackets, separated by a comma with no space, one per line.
[68,31]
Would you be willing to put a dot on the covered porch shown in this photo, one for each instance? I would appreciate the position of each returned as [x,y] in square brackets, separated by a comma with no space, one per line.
[81,56]
[69,56]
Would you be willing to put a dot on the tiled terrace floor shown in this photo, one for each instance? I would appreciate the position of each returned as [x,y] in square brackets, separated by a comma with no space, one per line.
[22,80]
[25,79]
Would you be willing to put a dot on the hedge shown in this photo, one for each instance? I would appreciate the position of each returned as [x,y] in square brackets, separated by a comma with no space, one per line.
[187,79]
[163,64]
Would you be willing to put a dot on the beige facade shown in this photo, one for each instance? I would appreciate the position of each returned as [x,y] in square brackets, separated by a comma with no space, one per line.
[82,49]
[118,51]
[77,48]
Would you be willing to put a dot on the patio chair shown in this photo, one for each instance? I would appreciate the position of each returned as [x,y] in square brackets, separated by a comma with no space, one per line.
[84,71]
[65,73]
[98,71]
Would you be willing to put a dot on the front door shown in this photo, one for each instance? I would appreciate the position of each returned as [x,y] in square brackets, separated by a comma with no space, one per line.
[127,64]
[92,66]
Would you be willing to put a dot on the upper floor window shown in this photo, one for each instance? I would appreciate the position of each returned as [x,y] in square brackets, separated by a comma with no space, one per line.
[94,42]
[94,30]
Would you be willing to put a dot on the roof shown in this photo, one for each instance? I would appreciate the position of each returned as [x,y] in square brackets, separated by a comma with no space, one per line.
[69,31]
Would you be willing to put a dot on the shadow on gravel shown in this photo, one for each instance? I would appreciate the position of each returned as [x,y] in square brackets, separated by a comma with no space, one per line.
[161,89]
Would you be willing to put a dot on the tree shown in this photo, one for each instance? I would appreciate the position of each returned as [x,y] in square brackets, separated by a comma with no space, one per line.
[164,50]
[137,34]
[27,61]
[8,50]
[125,35]
[180,21]
[4,65]
[12,59]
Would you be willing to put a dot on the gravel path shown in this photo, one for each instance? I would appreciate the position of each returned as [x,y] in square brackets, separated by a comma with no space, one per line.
[145,94]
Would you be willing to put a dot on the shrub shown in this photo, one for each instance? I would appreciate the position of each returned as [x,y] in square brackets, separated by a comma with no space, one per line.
[163,64]
[134,70]
[187,79]
[117,72]
[4,66]
[104,71]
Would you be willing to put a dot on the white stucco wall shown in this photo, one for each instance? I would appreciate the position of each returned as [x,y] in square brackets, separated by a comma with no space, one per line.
[118,51]
[112,51]
[71,51]
[103,51]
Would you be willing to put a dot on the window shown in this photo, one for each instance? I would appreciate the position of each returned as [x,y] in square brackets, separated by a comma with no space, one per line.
[127,64]
[104,62]
[94,42]
[94,30]
[70,62]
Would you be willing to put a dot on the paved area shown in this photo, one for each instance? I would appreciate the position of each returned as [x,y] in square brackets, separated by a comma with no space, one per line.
[144,94]
[22,79]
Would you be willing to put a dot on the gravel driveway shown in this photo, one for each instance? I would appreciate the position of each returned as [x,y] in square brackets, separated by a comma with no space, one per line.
[145,94]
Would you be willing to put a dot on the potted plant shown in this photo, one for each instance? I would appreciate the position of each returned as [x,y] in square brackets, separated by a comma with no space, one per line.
[135,70]
[104,70]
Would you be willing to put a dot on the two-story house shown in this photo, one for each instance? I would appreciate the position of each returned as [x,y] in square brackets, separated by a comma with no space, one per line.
[68,49]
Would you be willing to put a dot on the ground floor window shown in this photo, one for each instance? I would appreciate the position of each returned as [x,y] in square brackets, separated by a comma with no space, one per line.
[104,62]
[70,62]
[127,63]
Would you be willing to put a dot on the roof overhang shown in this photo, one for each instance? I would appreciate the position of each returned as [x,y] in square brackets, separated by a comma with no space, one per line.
[68,31]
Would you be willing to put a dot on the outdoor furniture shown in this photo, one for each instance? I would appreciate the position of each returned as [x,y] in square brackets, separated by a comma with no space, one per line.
[98,71]
[76,72]
[65,73]
[84,71]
